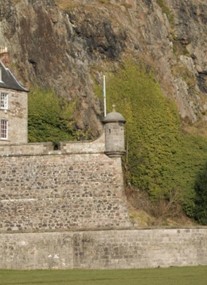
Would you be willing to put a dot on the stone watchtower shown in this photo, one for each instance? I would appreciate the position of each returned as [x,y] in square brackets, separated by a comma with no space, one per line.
[114,134]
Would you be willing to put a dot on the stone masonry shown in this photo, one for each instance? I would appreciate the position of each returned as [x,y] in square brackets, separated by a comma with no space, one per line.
[59,190]
[66,208]
[16,115]
[104,249]
[13,106]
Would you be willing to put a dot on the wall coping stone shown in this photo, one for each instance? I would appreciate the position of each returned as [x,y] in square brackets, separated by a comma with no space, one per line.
[47,148]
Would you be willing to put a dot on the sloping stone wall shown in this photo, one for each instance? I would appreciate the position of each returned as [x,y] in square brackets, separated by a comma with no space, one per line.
[104,249]
[59,190]
[67,209]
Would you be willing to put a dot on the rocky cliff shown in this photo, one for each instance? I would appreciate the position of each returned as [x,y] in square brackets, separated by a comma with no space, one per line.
[67,45]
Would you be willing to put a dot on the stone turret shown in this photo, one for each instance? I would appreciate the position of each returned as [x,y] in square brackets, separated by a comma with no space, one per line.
[13,105]
[114,134]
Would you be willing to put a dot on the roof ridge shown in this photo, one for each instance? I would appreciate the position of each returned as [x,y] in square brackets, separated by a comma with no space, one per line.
[9,80]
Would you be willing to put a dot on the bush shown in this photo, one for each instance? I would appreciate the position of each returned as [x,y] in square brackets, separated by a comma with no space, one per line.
[161,159]
[200,211]
[49,118]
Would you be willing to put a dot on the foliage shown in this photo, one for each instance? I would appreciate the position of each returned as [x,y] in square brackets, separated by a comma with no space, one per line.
[49,118]
[200,213]
[161,159]
[158,276]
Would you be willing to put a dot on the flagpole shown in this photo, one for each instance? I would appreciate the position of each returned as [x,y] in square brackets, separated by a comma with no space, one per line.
[104,94]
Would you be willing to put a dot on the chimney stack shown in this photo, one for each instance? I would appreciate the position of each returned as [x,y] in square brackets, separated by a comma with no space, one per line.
[4,55]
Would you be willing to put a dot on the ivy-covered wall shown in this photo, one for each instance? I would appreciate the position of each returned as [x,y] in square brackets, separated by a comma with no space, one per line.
[162,159]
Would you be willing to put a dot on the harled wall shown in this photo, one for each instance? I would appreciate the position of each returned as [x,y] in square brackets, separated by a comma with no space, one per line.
[104,249]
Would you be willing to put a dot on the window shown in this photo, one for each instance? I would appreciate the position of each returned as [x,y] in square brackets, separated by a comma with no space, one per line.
[3,101]
[4,129]
[0,74]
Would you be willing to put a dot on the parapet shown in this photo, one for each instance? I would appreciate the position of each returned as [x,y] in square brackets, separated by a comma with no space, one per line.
[26,149]
[111,142]
[96,146]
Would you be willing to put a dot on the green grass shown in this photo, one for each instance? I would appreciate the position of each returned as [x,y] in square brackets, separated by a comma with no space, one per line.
[178,276]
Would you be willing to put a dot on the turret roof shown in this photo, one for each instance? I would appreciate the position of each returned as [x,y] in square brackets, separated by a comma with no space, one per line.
[114,117]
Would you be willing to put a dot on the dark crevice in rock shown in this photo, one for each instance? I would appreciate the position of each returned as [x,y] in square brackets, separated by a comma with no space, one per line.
[202,81]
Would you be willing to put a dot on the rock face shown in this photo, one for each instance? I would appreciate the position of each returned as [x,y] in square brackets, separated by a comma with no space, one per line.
[66,45]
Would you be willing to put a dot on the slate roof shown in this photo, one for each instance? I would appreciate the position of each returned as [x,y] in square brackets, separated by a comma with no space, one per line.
[114,117]
[9,81]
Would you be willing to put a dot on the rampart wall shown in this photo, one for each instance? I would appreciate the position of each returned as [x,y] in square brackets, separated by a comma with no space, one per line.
[66,208]
[104,249]
[76,187]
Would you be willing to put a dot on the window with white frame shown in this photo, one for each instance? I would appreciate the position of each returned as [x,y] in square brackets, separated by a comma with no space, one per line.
[3,100]
[3,129]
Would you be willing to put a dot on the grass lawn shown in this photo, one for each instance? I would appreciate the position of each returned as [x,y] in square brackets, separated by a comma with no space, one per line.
[159,276]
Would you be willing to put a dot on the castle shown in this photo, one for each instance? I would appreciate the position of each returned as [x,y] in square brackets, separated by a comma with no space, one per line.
[67,208]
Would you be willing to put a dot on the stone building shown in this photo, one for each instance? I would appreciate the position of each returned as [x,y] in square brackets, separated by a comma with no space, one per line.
[67,208]
[13,106]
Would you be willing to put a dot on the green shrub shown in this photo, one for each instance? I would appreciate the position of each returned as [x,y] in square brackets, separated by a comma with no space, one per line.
[49,117]
[161,159]
[200,211]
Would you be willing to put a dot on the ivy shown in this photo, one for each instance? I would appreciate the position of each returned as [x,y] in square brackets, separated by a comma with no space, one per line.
[161,159]
[49,118]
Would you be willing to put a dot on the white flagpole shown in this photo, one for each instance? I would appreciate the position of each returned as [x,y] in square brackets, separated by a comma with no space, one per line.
[104,94]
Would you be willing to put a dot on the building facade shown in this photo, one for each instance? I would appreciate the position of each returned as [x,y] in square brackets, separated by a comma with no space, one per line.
[13,108]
